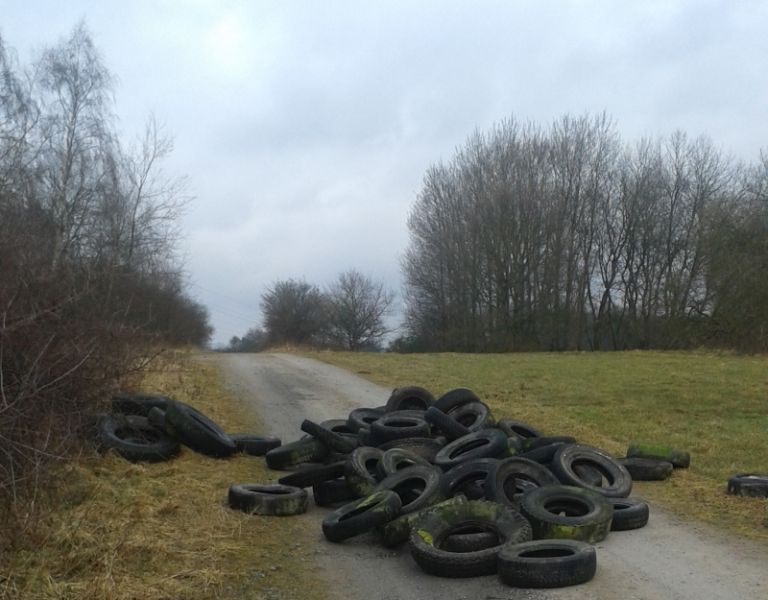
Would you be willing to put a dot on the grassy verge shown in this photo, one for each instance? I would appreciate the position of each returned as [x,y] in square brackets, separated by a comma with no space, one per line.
[162,531]
[710,404]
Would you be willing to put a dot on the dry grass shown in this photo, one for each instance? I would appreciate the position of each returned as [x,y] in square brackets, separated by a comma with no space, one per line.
[162,531]
[713,405]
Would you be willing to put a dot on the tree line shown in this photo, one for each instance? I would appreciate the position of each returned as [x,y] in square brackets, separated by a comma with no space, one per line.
[349,314]
[568,237]
[89,276]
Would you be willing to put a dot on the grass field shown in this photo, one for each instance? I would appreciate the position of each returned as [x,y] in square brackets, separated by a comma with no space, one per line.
[713,405]
[120,531]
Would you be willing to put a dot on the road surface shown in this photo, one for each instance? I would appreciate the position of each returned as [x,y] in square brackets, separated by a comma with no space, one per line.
[669,559]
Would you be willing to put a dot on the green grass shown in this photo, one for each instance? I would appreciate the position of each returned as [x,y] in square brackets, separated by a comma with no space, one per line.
[713,405]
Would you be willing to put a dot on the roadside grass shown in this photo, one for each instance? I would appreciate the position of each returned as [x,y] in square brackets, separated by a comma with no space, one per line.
[120,531]
[713,405]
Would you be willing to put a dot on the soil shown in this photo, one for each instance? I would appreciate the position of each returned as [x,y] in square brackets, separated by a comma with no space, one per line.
[670,558]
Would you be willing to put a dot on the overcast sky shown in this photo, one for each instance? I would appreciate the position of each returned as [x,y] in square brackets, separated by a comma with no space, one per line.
[306,127]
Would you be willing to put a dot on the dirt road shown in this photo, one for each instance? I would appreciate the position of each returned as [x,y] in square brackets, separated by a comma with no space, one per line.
[668,559]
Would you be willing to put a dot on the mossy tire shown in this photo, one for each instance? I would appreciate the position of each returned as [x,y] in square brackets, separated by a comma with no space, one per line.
[587,515]
[361,515]
[307,449]
[268,499]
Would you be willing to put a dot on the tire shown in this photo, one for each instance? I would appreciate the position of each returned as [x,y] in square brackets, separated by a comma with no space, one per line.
[138,404]
[547,564]
[455,398]
[398,530]
[254,445]
[533,443]
[193,429]
[617,480]
[748,484]
[587,515]
[543,455]
[446,424]
[361,516]
[430,532]
[361,470]
[470,539]
[361,418]
[136,441]
[678,458]
[156,417]
[469,478]
[312,475]
[474,416]
[588,474]
[628,513]
[417,487]
[289,455]
[425,447]
[646,469]
[488,443]
[340,426]
[331,439]
[395,459]
[517,428]
[408,398]
[514,476]
[333,492]
[395,426]
[268,499]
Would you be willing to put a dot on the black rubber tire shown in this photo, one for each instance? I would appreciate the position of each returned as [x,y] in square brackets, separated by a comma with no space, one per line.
[411,397]
[589,474]
[289,455]
[314,474]
[748,484]
[396,426]
[543,455]
[333,492]
[617,482]
[268,499]
[135,439]
[362,418]
[444,423]
[514,476]
[518,428]
[331,439]
[126,403]
[470,539]
[417,487]
[475,416]
[469,478]
[455,398]
[547,564]
[425,447]
[254,445]
[428,536]
[539,442]
[360,516]
[587,515]
[361,470]
[398,530]
[646,469]
[629,513]
[678,458]
[193,429]
[396,459]
[156,417]
[340,426]
[487,443]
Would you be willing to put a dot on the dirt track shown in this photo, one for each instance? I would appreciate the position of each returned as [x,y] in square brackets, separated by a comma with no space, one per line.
[668,559]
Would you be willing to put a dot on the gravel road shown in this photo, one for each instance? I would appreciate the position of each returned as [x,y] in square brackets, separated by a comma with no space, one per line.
[668,559]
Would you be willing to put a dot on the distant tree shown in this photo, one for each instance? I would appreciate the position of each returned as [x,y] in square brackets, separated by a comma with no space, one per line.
[294,312]
[254,340]
[357,306]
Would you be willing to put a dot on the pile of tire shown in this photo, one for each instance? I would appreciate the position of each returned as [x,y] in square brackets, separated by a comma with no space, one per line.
[470,493]
[152,428]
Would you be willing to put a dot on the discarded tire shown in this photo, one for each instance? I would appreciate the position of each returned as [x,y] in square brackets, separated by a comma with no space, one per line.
[314,474]
[547,564]
[361,470]
[192,428]
[488,443]
[261,499]
[138,404]
[307,449]
[429,534]
[333,492]
[748,484]
[333,440]
[455,398]
[646,469]
[513,476]
[410,397]
[136,441]
[679,458]
[473,415]
[618,482]
[567,512]
[398,530]
[254,445]
[469,478]
[397,426]
[417,486]
[444,423]
[628,513]
[395,459]
[361,516]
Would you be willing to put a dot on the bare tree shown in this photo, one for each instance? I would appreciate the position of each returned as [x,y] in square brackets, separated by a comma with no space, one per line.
[294,312]
[357,306]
